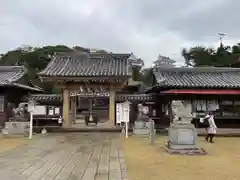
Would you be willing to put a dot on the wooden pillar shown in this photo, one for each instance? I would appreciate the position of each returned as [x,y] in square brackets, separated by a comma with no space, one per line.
[111,114]
[79,101]
[73,109]
[170,113]
[66,119]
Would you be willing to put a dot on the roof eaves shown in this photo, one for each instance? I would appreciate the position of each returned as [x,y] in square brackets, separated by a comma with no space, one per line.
[26,87]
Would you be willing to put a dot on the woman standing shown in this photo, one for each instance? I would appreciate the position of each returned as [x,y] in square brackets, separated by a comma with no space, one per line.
[212,129]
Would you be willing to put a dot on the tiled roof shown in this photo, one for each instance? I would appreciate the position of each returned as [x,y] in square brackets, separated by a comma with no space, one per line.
[202,77]
[10,75]
[87,65]
[134,61]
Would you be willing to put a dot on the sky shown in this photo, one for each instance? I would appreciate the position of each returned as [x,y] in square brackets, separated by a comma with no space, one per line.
[145,27]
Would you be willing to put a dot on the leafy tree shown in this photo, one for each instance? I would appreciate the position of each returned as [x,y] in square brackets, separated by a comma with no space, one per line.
[223,56]
[147,77]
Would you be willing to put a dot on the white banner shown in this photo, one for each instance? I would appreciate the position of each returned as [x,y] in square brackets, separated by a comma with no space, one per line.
[118,112]
[126,110]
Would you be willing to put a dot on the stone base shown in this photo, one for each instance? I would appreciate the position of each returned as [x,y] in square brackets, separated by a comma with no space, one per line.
[141,128]
[16,128]
[141,132]
[184,151]
[182,136]
[182,140]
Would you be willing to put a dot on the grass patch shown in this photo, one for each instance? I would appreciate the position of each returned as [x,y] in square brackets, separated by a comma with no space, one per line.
[146,162]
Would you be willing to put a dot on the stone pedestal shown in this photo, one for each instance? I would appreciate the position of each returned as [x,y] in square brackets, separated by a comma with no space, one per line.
[16,128]
[182,139]
[182,136]
[141,126]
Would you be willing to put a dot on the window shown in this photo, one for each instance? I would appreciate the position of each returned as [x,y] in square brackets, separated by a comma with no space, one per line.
[227,108]
[1,103]
[203,106]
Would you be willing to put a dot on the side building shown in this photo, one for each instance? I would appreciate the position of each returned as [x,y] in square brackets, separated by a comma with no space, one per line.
[12,90]
[202,89]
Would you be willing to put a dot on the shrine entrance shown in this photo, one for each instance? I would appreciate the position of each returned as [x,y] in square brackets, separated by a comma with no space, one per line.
[92,108]
[87,75]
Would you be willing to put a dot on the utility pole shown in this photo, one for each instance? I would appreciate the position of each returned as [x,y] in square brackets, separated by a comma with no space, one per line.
[221,35]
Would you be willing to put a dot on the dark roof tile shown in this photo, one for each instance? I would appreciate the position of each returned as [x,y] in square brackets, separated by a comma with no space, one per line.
[87,65]
[10,75]
[206,77]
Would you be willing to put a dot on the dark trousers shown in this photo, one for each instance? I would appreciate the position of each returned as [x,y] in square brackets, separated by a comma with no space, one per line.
[210,137]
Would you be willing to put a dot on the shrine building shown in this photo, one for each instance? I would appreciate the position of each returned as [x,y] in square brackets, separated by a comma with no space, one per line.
[90,76]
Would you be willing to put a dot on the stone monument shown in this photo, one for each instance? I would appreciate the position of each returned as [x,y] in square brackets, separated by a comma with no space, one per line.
[141,125]
[182,134]
[18,124]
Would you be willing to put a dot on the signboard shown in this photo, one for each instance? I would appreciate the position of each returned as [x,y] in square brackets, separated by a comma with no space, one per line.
[31,108]
[39,110]
[57,110]
[125,115]
[118,113]
[126,111]
[90,94]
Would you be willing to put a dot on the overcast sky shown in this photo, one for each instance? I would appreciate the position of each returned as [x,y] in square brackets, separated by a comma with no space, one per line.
[145,27]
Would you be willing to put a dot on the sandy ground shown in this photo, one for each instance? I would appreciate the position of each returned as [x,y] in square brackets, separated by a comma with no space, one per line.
[152,162]
[10,143]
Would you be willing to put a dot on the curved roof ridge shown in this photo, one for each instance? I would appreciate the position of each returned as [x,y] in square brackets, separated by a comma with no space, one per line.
[198,69]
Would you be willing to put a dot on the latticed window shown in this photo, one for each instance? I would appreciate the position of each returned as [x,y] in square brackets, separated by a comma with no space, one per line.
[1,103]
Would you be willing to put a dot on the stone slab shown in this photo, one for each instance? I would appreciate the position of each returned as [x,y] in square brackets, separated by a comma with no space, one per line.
[15,128]
[143,132]
[193,151]
[68,156]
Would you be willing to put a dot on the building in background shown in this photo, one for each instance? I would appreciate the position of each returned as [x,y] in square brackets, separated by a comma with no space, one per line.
[12,90]
[202,89]
[163,61]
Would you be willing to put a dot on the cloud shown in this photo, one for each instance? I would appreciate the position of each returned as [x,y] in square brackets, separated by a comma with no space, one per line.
[146,28]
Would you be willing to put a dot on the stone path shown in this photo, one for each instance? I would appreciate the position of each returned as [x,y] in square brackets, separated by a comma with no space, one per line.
[68,156]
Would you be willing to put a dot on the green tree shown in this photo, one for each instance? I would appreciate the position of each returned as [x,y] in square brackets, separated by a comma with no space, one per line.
[223,56]
[198,56]
[147,77]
